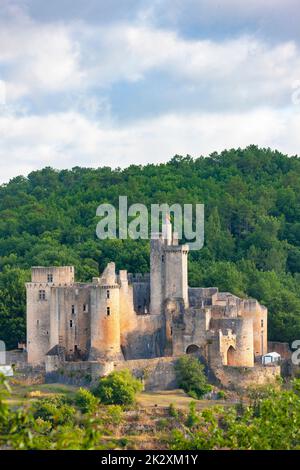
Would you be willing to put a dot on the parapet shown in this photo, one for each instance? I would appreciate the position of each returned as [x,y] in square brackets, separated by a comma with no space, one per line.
[53,275]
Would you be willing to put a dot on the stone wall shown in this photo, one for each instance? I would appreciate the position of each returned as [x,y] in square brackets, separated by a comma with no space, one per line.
[156,374]
[26,374]
[238,378]
[17,357]
[75,373]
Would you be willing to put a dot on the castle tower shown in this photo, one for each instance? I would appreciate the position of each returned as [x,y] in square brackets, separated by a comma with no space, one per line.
[105,316]
[38,293]
[168,269]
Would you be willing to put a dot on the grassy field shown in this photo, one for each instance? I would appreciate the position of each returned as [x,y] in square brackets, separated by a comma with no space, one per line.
[178,398]
[146,425]
[25,394]
[22,394]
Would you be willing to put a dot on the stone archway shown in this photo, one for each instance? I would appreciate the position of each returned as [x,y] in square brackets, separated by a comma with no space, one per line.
[192,348]
[231,356]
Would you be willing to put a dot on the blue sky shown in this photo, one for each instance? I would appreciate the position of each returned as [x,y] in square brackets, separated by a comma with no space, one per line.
[95,82]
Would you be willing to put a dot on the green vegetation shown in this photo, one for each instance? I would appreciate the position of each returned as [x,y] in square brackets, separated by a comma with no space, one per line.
[55,410]
[268,418]
[86,401]
[270,422]
[118,388]
[190,376]
[252,232]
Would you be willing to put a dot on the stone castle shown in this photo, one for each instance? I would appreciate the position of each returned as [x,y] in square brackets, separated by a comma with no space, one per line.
[124,317]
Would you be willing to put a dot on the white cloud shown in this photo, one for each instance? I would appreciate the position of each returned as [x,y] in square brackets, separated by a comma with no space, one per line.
[48,58]
[128,52]
[249,78]
[38,58]
[69,139]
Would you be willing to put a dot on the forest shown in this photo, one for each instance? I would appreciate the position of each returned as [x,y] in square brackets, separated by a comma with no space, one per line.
[252,228]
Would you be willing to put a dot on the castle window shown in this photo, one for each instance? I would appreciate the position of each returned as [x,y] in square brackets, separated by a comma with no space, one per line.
[38,322]
[85,308]
[73,309]
[71,323]
[108,311]
[50,277]
[261,323]
[42,295]
[162,258]
[108,294]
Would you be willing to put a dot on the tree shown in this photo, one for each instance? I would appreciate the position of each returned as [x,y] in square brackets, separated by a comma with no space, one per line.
[118,388]
[190,376]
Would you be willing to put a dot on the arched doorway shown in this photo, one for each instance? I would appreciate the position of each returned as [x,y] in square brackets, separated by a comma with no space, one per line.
[192,348]
[231,356]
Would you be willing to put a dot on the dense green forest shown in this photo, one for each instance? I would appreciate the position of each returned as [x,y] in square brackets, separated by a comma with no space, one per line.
[252,230]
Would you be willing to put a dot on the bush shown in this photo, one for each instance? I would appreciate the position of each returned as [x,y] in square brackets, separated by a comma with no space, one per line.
[221,395]
[192,418]
[86,401]
[191,377]
[271,422]
[115,414]
[56,410]
[118,388]
[172,411]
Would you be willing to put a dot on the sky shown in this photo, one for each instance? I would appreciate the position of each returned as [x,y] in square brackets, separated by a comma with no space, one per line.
[112,83]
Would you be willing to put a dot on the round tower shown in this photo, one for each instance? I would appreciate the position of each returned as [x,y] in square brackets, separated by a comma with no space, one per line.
[105,316]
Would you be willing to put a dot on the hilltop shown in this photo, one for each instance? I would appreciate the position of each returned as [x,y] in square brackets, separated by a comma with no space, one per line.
[252,230]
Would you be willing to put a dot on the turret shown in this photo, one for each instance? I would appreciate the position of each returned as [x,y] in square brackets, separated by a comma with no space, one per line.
[168,266]
[105,316]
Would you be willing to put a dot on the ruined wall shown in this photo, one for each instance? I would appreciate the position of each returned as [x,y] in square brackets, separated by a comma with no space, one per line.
[190,328]
[156,374]
[146,340]
[17,357]
[201,296]
[242,329]
[75,373]
[238,378]
[141,297]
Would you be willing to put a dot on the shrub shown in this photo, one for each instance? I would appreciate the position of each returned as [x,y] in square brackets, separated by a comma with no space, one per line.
[56,410]
[162,424]
[221,395]
[86,401]
[118,388]
[115,414]
[190,376]
[272,422]
[172,411]
[192,418]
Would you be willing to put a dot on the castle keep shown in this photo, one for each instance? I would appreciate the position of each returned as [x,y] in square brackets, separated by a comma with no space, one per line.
[123,317]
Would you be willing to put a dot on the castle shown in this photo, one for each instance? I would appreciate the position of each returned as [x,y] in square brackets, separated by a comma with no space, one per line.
[121,317]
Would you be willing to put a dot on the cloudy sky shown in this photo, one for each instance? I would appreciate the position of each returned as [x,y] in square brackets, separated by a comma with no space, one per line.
[97,82]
